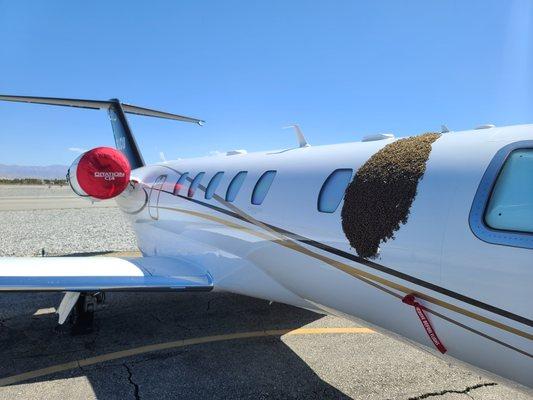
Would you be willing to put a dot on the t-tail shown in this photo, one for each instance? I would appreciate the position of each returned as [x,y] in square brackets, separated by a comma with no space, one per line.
[124,138]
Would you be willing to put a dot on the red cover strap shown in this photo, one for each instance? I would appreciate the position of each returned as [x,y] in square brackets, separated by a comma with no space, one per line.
[411,300]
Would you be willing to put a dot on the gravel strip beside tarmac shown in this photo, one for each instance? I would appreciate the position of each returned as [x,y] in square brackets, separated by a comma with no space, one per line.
[59,232]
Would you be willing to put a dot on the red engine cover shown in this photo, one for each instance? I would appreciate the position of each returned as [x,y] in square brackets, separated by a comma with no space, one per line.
[103,172]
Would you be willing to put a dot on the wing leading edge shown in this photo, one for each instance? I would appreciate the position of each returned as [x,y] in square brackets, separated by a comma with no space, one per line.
[88,274]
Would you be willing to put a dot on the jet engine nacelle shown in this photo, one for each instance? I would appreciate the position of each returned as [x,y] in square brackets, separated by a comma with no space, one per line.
[101,173]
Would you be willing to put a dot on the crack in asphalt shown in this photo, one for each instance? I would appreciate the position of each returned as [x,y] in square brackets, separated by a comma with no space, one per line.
[209,305]
[443,392]
[130,379]
[156,317]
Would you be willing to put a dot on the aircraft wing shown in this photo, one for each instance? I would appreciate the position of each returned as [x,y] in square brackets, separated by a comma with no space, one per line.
[93,274]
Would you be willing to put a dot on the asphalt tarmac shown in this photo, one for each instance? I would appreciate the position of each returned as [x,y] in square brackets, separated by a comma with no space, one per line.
[266,354]
[215,345]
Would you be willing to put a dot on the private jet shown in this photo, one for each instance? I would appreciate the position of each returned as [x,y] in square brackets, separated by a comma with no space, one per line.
[428,238]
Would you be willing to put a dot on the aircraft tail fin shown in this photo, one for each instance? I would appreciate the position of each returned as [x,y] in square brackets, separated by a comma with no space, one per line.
[124,139]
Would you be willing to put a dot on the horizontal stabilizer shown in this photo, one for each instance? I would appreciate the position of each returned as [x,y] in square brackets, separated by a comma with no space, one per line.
[99,105]
[124,139]
[92,274]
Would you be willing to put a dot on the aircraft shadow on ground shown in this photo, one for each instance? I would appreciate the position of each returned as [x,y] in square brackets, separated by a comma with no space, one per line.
[262,367]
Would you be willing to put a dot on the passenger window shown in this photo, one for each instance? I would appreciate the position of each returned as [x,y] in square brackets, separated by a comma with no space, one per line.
[179,184]
[213,184]
[262,186]
[235,186]
[510,206]
[333,190]
[194,184]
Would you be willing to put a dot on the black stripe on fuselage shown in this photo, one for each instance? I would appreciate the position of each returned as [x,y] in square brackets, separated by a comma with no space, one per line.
[370,264]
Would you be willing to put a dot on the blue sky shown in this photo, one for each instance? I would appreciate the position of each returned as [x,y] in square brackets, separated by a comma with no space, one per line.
[341,69]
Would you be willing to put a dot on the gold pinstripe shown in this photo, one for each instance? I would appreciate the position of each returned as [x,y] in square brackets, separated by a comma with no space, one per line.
[355,272]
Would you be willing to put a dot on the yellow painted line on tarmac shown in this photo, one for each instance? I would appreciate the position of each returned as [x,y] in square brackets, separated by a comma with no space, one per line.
[10,380]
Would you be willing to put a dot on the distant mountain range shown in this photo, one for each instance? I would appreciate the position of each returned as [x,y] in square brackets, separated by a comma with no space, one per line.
[39,172]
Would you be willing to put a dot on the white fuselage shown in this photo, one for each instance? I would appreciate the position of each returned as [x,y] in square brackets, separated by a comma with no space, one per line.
[478,293]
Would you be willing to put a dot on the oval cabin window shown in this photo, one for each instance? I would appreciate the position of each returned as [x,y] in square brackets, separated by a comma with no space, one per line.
[179,184]
[262,187]
[213,184]
[333,189]
[194,184]
[235,186]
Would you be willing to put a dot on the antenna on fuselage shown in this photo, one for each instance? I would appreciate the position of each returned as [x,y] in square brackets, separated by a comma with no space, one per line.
[302,141]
